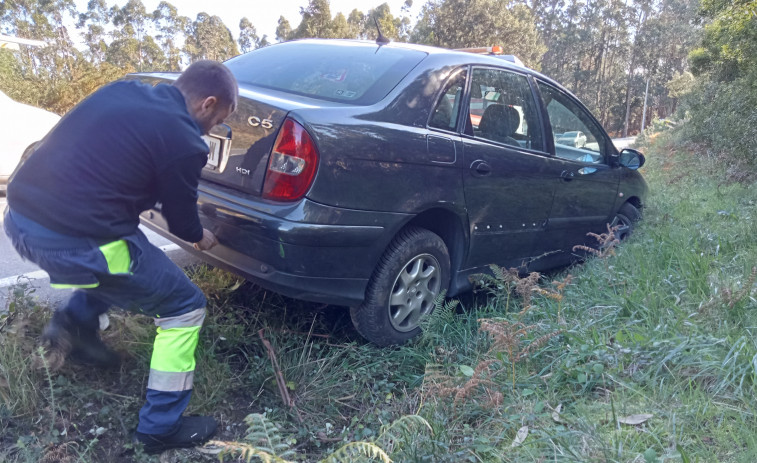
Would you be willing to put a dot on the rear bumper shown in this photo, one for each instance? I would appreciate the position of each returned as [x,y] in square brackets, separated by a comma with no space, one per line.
[307,250]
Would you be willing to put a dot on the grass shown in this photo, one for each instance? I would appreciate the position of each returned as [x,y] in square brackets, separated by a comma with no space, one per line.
[665,327]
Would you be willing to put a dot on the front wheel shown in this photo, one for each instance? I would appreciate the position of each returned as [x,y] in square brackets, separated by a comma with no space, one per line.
[411,274]
[624,221]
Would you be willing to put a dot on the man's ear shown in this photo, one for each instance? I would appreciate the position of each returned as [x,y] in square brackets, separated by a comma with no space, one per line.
[209,103]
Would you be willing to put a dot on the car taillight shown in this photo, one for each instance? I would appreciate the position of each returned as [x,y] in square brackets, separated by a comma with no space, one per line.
[292,165]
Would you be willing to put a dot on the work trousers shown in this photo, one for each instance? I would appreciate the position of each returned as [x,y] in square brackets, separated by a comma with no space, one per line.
[132,274]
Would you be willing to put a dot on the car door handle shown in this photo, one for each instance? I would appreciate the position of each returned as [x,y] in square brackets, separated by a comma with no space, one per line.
[567,175]
[587,170]
[480,168]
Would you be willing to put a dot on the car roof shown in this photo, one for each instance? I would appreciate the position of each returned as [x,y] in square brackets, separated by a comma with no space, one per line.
[455,56]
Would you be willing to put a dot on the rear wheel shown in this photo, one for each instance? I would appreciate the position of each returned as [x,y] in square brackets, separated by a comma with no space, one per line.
[411,274]
[624,220]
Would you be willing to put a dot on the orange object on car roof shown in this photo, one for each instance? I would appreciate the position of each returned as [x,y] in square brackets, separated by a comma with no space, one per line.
[493,50]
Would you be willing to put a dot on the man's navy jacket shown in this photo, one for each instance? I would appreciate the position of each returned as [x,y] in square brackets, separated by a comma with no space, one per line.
[117,153]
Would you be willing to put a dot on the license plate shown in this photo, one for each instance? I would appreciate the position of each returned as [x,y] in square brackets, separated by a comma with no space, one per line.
[214,153]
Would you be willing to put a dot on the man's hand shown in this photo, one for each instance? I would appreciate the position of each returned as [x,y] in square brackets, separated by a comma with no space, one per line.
[208,240]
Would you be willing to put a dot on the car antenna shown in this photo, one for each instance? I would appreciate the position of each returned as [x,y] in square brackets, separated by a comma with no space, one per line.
[380,40]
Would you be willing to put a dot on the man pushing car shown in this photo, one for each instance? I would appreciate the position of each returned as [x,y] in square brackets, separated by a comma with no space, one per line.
[73,209]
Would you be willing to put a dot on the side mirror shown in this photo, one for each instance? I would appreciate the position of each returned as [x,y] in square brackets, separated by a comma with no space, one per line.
[631,158]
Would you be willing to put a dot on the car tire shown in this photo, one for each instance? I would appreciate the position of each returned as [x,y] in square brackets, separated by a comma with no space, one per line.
[624,220]
[413,271]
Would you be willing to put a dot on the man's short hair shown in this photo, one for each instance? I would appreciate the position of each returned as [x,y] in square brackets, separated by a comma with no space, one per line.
[208,78]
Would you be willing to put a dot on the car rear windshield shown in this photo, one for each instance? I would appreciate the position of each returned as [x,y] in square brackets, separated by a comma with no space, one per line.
[348,72]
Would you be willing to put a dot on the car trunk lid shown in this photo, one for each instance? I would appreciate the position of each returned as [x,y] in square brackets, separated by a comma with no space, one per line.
[240,148]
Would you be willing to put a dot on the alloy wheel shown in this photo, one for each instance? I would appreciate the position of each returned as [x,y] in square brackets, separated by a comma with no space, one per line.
[414,292]
[622,225]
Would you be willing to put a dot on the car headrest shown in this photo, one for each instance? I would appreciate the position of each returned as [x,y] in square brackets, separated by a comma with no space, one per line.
[499,121]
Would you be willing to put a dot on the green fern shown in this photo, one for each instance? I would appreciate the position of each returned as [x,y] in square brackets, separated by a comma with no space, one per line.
[265,436]
[401,431]
[443,315]
[245,451]
[265,442]
[500,284]
[356,451]
[266,445]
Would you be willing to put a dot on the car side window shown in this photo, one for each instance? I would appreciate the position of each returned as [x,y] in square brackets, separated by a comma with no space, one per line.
[503,110]
[577,137]
[444,115]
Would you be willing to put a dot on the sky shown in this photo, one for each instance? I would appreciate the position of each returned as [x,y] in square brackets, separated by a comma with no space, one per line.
[264,15]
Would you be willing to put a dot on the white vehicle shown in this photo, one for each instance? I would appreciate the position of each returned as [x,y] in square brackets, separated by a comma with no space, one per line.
[575,139]
[23,125]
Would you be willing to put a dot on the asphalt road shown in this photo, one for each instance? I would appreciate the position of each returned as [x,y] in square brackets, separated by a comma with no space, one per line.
[14,270]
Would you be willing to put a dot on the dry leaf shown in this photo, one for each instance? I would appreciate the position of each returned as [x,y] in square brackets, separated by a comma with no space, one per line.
[520,436]
[556,414]
[211,448]
[634,420]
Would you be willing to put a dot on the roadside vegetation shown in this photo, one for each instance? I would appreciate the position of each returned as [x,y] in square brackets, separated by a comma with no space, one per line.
[645,352]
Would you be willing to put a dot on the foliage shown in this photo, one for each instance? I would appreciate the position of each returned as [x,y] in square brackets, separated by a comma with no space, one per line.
[248,37]
[210,39]
[283,30]
[317,22]
[264,442]
[722,116]
[470,23]
[605,52]
[721,106]
[729,43]
[681,84]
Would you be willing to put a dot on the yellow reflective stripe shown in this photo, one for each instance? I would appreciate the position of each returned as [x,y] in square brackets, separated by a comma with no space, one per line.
[65,286]
[170,381]
[117,255]
[174,349]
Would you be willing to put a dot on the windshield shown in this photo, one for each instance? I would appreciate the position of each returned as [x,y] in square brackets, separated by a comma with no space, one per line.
[349,72]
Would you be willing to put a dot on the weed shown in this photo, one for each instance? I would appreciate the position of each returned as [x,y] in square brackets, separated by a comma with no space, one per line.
[264,442]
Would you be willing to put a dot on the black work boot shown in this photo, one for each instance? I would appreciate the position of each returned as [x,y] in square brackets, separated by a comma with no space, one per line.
[191,432]
[64,337]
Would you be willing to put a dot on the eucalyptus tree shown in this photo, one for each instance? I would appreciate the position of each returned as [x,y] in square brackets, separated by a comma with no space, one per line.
[606,50]
[316,21]
[95,21]
[395,28]
[663,41]
[209,38]
[133,47]
[248,37]
[284,30]
[356,23]
[341,27]
[170,27]
[42,21]
[469,23]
